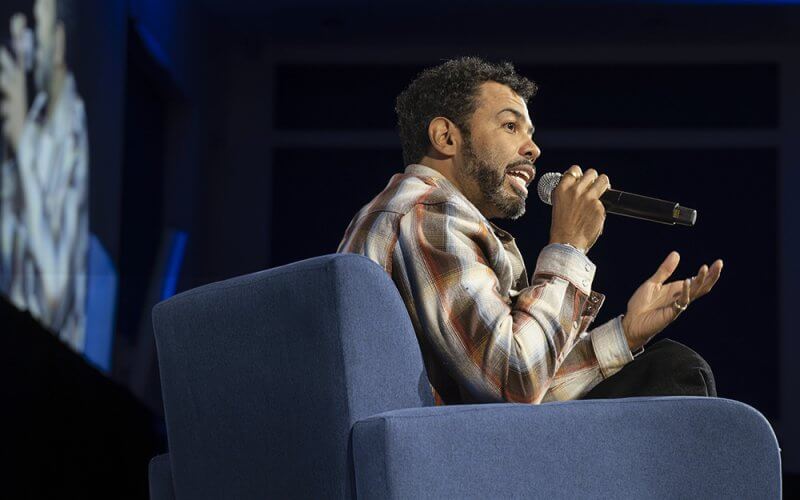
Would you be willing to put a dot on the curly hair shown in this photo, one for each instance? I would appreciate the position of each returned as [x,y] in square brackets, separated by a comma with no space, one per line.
[449,90]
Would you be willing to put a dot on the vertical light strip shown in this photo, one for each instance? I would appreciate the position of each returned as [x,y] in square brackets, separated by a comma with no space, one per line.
[174,262]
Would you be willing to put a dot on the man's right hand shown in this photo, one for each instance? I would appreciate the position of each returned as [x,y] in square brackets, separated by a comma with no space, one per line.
[578,213]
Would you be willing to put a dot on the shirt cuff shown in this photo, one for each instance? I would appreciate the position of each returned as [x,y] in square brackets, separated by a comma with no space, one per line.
[611,347]
[569,263]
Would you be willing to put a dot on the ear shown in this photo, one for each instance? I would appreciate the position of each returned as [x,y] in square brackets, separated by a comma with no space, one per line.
[60,45]
[444,136]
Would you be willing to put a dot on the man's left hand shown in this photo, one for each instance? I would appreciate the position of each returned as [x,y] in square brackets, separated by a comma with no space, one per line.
[656,304]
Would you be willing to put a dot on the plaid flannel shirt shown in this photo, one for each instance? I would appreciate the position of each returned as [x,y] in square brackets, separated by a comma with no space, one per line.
[486,333]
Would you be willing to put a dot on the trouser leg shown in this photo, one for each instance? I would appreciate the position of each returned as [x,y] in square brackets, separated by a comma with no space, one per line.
[665,368]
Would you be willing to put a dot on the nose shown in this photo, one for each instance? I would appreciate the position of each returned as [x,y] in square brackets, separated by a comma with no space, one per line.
[530,150]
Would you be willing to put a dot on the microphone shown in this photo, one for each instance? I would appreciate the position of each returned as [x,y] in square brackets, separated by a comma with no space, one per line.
[628,204]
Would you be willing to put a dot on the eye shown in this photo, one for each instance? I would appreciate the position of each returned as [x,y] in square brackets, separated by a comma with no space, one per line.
[511,126]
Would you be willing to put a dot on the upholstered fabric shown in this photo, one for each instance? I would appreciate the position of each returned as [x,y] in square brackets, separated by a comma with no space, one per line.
[671,447]
[161,478]
[264,375]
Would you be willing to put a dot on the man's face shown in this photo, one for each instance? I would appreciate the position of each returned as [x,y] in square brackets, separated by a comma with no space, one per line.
[499,152]
[44,12]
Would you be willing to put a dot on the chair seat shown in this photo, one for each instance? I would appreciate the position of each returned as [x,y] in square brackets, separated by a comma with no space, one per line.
[662,447]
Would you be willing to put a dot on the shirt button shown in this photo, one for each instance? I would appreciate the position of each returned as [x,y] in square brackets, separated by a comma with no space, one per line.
[575,325]
[588,268]
[585,282]
[594,299]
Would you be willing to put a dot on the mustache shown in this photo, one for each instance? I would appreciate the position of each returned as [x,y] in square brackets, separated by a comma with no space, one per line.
[521,162]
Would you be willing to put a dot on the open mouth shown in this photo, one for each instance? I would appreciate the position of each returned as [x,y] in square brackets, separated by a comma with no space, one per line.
[521,175]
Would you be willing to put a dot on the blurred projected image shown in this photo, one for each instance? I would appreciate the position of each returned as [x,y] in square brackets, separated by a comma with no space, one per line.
[44,182]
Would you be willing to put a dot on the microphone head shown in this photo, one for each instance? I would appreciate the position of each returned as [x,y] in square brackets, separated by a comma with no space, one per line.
[547,183]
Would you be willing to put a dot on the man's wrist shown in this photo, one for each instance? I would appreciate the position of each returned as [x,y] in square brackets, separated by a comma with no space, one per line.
[636,348]
[576,247]
[567,263]
[581,250]
[610,347]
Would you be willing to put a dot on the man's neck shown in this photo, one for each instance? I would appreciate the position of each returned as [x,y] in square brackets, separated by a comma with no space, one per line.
[448,168]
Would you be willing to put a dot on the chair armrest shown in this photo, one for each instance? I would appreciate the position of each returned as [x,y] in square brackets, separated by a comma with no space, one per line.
[675,447]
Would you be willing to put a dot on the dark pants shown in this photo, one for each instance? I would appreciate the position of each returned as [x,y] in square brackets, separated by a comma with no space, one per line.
[665,368]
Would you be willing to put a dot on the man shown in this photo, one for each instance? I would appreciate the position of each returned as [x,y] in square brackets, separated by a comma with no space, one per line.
[44,223]
[486,333]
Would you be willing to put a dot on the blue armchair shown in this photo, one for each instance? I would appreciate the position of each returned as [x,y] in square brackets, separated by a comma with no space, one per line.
[306,381]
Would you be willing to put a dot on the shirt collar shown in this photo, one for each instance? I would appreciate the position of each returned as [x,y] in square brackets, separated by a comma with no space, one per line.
[442,181]
[417,169]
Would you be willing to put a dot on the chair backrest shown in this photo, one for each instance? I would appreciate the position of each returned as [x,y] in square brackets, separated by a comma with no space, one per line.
[264,375]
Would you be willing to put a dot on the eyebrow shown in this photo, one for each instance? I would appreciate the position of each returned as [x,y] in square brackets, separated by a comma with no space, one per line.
[519,116]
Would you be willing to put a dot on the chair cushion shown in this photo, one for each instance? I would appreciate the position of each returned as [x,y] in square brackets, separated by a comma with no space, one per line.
[667,447]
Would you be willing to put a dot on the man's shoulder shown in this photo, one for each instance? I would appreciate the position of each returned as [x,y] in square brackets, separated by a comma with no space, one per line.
[380,219]
[406,191]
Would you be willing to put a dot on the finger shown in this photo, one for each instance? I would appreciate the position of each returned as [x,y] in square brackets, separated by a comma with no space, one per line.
[666,268]
[6,61]
[587,180]
[680,299]
[701,288]
[712,278]
[686,295]
[698,280]
[600,186]
[6,85]
[571,176]
[18,24]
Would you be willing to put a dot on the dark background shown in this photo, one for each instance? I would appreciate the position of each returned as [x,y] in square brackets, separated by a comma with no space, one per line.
[257,129]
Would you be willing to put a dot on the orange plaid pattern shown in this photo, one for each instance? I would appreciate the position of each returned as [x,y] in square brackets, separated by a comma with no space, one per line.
[487,333]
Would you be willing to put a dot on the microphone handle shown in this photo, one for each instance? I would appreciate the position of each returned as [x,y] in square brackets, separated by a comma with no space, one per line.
[644,207]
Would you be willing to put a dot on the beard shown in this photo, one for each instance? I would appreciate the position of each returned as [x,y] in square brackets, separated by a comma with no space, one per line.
[491,181]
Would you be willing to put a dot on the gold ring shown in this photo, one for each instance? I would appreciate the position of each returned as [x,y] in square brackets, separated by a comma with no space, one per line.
[680,307]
